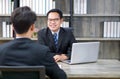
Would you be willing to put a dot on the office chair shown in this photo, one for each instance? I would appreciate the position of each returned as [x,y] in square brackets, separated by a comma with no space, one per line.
[22,72]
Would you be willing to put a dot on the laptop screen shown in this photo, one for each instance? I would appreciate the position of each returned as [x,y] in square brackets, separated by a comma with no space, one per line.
[84,52]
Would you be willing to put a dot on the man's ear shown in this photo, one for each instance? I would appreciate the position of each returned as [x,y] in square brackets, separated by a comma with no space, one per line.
[13,28]
[32,27]
[61,20]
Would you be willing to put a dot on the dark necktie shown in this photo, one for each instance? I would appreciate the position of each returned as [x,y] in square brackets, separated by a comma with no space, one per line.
[55,39]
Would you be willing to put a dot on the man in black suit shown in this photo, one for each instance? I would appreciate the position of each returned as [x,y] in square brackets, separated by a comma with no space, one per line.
[23,51]
[62,48]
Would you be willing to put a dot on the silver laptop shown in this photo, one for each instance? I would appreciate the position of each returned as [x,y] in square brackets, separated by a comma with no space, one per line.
[84,52]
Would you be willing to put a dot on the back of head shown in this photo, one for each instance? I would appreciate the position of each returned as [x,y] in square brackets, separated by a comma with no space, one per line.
[22,18]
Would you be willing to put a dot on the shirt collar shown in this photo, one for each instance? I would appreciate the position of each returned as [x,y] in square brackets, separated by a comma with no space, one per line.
[56,32]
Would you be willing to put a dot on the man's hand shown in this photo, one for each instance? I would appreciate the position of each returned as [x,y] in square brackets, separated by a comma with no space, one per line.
[60,57]
[63,57]
[57,58]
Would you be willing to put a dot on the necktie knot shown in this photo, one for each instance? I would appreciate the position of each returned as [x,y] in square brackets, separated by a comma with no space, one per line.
[55,35]
[55,39]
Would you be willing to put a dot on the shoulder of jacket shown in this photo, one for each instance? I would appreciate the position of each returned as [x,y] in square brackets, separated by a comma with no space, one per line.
[66,29]
[43,30]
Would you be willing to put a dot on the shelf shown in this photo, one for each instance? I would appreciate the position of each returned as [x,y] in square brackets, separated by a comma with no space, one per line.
[6,39]
[66,14]
[39,15]
[45,15]
[98,39]
[91,15]
[80,39]
[9,39]
[5,15]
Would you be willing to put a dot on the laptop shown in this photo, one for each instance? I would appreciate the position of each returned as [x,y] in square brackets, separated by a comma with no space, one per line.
[84,52]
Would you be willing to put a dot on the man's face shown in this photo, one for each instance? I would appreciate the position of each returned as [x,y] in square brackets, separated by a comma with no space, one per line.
[54,21]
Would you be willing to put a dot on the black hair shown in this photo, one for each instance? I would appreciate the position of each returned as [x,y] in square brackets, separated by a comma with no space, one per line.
[22,18]
[57,11]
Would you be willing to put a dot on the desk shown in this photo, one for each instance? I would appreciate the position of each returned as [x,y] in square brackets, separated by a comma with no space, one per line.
[102,69]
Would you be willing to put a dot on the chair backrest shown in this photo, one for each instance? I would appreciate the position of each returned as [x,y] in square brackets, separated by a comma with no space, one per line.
[22,72]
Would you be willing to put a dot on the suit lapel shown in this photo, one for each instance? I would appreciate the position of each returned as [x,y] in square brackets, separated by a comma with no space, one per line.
[61,37]
[50,38]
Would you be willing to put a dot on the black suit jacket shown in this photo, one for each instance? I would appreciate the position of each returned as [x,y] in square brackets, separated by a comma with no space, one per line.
[65,40]
[24,51]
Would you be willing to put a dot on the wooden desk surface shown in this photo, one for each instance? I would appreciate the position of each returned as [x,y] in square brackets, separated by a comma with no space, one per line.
[107,69]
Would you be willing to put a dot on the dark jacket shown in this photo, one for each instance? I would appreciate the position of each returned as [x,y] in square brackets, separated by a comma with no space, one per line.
[65,40]
[24,51]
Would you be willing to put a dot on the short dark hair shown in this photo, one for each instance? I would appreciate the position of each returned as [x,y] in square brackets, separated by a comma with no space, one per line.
[22,18]
[57,11]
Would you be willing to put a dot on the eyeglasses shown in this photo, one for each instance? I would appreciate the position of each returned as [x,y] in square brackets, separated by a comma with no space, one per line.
[55,20]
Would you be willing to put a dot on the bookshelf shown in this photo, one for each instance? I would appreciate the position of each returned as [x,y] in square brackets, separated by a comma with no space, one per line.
[86,22]
[35,6]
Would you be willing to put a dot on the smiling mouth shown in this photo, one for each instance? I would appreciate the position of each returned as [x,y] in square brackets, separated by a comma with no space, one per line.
[53,26]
